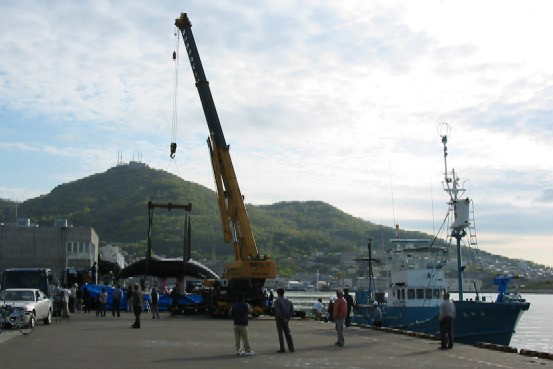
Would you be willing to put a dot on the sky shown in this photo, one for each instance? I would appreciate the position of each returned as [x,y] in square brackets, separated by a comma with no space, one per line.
[337,101]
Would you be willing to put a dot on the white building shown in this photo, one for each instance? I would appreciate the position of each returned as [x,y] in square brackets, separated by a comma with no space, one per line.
[113,255]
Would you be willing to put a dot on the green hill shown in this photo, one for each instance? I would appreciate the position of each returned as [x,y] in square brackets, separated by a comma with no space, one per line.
[5,205]
[302,236]
[114,203]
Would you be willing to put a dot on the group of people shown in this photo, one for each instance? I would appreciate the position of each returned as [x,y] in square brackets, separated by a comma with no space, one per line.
[99,303]
[319,309]
[283,310]
[137,303]
[339,311]
[78,299]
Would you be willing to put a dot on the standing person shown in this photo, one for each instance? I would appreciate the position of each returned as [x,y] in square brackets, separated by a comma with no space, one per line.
[349,301]
[266,299]
[102,300]
[73,298]
[271,299]
[93,272]
[330,309]
[65,296]
[175,300]
[239,312]
[129,298]
[377,321]
[61,302]
[137,305]
[447,314]
[116,301]
[284,309]
[86,298]
[98,303]
[78,298]
[339,313]
[164,288]
[155,299]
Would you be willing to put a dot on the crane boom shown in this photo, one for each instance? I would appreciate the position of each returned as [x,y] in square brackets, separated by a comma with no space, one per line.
[215,130]
[236,224]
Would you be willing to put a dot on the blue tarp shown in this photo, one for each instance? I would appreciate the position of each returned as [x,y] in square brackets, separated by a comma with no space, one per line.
[164,302]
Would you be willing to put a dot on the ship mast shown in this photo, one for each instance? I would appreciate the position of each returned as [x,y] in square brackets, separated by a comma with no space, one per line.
[460,207]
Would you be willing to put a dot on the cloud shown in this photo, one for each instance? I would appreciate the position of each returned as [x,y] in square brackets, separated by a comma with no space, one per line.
[518,246]
[332,101]
[547,195]
[18,193]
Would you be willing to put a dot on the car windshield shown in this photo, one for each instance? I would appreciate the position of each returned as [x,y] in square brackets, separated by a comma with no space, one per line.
[18,296]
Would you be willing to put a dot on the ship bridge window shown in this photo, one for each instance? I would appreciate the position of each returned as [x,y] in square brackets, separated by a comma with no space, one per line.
[420,293]
[410,294]
[428,294]
[437,294]
[403,293]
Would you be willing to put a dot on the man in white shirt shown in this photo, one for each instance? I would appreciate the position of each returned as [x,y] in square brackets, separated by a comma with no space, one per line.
[318,309]
[447,314]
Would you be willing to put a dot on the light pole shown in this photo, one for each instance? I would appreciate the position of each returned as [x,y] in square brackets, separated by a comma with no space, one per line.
[63,236]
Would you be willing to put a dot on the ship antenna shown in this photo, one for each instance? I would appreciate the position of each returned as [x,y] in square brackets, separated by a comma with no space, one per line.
[433,216]
[444,129]
[396,225]
[459,207]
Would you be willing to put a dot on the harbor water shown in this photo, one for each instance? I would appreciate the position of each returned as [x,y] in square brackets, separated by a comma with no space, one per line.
[534,330]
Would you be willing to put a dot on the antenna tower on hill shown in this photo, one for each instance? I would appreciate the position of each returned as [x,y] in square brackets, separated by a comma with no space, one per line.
[119,158]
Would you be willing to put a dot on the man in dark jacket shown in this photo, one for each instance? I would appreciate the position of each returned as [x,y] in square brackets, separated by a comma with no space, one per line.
[284,310]
[116,301]
[137,305]
[446,317]
[129,298]
[174,301]
[155,299]
[349,301]
[239,312]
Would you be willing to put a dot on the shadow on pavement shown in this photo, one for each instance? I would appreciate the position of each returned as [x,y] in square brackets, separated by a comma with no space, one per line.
[324,348]
[418,353]
[198,358]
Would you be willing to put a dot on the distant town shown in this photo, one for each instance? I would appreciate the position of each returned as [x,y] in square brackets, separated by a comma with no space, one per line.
[64,247]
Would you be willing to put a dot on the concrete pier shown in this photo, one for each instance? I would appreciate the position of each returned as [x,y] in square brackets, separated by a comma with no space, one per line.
[88,342]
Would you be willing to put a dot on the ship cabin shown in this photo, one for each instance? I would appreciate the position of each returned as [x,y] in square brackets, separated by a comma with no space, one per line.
[417,287]
[416,277]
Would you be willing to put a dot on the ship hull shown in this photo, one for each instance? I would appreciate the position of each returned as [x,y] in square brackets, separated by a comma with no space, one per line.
[474,322]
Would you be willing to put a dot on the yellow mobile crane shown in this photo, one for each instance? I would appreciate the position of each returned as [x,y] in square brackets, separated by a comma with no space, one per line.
[246,275]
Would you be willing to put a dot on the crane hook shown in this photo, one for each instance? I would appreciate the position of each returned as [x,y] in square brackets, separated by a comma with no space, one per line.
[173,150]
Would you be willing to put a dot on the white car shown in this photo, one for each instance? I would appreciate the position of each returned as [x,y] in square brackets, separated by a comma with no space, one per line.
[36,304]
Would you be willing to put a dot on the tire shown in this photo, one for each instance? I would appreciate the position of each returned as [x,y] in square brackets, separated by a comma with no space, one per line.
[28,329]
[48,319]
